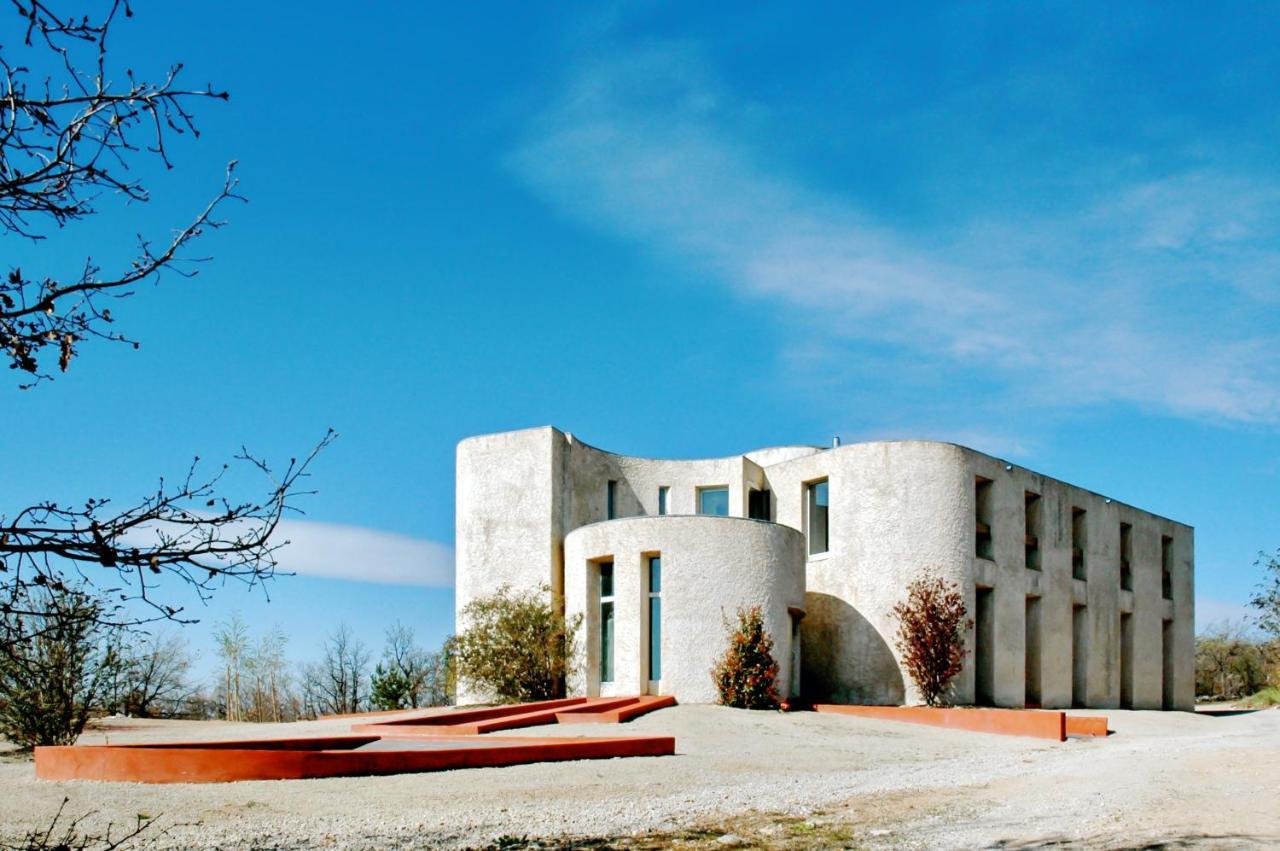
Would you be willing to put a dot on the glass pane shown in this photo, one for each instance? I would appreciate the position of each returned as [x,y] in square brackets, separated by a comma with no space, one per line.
[655,574]
[655,638]
[606,642]
[606,579]
[612,508]
[818,517]
[662,500]
[714,501]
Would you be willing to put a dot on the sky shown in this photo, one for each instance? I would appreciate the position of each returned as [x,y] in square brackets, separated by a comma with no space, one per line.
[1050,232]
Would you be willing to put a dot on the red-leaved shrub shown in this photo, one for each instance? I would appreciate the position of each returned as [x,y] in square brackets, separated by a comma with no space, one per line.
[746,675]
[931,624]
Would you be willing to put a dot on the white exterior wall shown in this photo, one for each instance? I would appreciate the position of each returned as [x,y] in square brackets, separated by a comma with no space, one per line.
[711,566]
[897,511]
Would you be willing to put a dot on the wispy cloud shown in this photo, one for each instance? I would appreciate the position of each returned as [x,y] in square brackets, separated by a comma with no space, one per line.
[336,551]
[1162,293]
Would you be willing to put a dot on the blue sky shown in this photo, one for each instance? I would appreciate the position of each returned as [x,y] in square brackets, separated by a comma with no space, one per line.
[1048,232]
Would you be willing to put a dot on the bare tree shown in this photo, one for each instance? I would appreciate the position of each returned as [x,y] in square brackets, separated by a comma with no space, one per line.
[232,637]
[408,676]
[155,675]
[338,683]
[72,121]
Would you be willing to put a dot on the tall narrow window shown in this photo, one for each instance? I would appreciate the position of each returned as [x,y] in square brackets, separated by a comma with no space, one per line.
[758,505]
[606,622]
[984,546]
[1166,567]
[817,504]
[611,511]
[1031,526]
[655,618]
[1079,543]
[662,499]
[1126,557]
[714,501]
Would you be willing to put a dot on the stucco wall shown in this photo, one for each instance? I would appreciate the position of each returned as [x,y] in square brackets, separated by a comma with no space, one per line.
[898,509]
[711,566]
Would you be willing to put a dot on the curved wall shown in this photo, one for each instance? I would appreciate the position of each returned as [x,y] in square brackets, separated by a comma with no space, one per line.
[711,566]
[898,510]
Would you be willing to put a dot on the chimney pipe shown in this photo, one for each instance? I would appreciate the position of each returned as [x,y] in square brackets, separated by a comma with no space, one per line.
[835,442]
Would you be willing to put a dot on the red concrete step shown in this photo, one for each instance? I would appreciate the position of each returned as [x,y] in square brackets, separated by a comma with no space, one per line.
[615,712]
[436,718]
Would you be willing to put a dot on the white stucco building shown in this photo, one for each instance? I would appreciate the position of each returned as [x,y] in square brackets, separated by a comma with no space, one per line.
[1077,600]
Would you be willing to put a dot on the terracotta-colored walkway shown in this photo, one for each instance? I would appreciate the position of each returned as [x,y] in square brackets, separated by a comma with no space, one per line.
[391,743]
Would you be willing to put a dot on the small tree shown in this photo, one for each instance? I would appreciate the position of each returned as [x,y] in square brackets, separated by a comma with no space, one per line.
[746,676]
[931,624]
[515,648]
[407,675]
[55,667]
[1266,598]
[337,684]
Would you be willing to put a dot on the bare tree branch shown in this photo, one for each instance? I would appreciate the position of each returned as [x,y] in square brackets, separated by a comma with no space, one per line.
[66,140]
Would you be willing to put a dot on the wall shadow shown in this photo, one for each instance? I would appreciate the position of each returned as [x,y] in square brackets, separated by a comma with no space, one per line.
[844,659]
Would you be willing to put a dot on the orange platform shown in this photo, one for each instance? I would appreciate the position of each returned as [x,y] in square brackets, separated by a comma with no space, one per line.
[1036,723]
[390,743]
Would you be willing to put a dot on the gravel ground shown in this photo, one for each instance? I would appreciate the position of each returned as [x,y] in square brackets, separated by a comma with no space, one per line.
[748,778]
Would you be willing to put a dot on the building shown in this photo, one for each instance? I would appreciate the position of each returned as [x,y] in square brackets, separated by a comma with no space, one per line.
[1076,599]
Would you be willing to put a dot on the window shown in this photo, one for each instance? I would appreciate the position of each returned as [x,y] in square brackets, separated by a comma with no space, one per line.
[714,501]
[1126,557]
[612,510]
[984,546]
[655,618]
[1166,567]
[1079,543]
[1031,526]
[662,499]
[817,505]
[758,507]
[606,622]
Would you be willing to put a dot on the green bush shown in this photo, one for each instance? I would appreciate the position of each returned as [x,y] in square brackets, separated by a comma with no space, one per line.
[515,647]
[1269,696]
[746,675]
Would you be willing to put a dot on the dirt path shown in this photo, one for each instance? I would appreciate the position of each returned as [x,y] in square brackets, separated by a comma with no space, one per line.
[771,780]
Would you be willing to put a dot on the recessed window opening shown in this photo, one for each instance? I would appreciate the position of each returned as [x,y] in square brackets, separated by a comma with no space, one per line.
[1126,557]
[1031,527]
[714,501]
[1079,543]
[759,504]
[1166,567]
[611,509]
[606,621]
[817,508]
[984,545]
[662,499]
[655,618]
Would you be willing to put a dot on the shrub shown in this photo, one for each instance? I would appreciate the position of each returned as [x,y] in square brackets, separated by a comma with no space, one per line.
[56,661]
[931,623]
[515,647]
[746,675]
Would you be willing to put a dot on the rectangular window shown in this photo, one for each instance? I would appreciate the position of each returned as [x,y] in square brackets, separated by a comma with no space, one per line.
[606,622]
[984,545]
[1166,567]
[1079,543]
[817,504]
[714,501]
[1031,526]
[655,618]
[758,507]
[1126,557]
[611,510]
[662,499]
